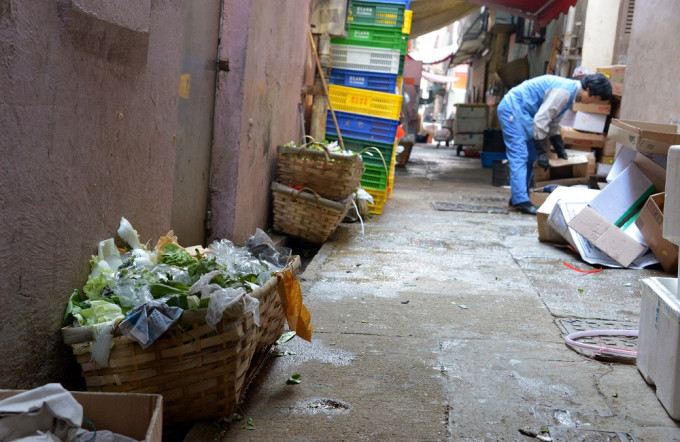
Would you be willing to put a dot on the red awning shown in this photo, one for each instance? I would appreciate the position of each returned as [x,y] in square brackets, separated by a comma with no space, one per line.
[541,12]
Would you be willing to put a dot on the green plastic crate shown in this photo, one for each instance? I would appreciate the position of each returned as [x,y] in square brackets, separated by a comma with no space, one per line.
[375,37]
[374,177]
[376,14]
[370,156]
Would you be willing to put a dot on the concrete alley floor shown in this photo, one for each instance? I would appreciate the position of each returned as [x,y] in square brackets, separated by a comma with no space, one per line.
[448,326]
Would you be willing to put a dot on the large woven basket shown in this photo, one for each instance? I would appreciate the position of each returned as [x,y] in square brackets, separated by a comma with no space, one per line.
[304,214]
[202,373]
[331,175]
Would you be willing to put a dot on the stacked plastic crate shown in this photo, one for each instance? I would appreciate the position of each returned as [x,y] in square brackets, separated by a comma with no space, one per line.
[365,89]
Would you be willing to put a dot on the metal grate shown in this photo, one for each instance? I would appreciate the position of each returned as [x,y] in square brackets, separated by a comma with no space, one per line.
[572,325]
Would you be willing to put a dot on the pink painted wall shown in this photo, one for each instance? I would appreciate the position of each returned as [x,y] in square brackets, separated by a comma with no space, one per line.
[267,47]
[88,100]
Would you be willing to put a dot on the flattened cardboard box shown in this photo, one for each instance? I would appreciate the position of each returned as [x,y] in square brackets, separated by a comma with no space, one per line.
[644,137]
[650,223]
[138,416]
[571,136]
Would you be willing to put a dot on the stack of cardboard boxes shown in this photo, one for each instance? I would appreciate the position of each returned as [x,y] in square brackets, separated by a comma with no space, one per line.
[620,225]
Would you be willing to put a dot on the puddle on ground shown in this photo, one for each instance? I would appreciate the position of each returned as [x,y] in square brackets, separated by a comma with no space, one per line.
[322,405]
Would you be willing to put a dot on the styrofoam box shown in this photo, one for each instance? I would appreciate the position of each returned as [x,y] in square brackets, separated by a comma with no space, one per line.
[658,352]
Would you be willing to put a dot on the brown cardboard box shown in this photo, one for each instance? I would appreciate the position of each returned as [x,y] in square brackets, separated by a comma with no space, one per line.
[540,174]
[605,159]
[617,89]
[650,223]
[609,148]
[138,416]
[600,107]
[576,138]
[606,70]
[581,148]
[644,137]
[617,73]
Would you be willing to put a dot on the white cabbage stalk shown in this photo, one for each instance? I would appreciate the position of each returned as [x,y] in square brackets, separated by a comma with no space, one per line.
[129,234]
[108,252]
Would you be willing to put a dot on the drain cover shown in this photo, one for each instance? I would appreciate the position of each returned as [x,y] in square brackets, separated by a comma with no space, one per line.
[471,208]
[573,325]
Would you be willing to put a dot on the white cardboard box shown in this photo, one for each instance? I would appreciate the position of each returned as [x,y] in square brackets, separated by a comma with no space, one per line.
[546,232]
[589,122]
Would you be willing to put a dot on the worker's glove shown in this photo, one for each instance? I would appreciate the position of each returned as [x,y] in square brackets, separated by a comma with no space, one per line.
[542,151]
[558,146]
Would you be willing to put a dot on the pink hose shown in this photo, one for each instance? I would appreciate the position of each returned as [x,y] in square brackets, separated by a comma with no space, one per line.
[570,339]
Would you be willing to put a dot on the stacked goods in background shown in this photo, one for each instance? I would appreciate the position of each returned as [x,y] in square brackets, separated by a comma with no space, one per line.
[469,126]
[365,91]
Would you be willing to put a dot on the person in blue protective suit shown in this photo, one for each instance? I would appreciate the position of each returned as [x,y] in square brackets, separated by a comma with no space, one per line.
[530,115]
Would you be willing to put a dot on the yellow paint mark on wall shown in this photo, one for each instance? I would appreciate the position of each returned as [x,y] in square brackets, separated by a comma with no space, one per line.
[184,85]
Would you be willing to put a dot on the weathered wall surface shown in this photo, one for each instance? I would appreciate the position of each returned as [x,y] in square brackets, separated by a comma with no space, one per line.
[267,47]
[651,86]
[88,100]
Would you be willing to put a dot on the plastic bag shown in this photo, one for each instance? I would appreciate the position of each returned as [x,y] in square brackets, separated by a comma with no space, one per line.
[147,322]
[228,302]
[262,247]
[291,300]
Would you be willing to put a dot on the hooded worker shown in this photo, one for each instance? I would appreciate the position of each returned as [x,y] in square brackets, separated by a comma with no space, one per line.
[530,115]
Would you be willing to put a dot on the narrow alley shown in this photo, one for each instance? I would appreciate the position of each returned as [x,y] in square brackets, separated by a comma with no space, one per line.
[440,325]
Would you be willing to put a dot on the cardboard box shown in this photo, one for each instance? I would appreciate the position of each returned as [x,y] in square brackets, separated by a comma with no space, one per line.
[600,107]
[588,122]
[607,160]
[624,196]
[138,416]
[577,138]
[572,167]
[652,170]
[617,73]
[470,139]
[617,89]
[477,111]
[540,174]
[546,232]
[650,223]
[606,70]
[606,221]
[609,149]
[644,137]
[469,125]
[606,236]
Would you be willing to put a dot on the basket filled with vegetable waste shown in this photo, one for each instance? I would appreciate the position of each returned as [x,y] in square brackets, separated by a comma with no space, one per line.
[192,324]
[324,167]
[303,213]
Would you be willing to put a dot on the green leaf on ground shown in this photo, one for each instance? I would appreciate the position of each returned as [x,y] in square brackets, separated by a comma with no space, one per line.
[287,336]
[250,425]
[284,353]
[295,379]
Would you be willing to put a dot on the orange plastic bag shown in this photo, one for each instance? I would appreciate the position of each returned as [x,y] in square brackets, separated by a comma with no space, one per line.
[291,300]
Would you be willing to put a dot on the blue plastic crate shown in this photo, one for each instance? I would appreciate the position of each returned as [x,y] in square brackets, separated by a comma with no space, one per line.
[488,157]
[363,127]
[374,81]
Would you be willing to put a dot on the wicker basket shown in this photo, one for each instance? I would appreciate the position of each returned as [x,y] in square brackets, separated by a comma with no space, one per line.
[202,373]
[333,176]
[404,156]
[304,214]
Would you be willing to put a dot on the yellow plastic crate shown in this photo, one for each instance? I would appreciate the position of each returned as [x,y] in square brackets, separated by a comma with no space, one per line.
[379,198]
[408,18]
[366,102]
[390,178]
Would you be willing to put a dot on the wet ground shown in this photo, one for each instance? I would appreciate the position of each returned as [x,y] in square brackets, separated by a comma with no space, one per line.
[448,325]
